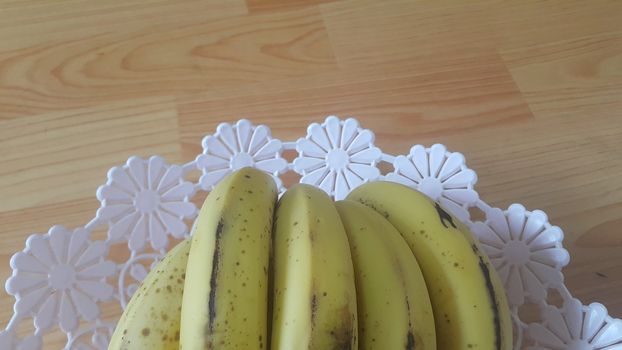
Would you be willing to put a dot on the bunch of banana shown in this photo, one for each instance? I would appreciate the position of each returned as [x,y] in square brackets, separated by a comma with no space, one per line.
[314,293]
[385,269]
[469,305]
[393,303]
[225,299]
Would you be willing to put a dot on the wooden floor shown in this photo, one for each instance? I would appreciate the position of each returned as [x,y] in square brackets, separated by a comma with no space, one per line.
[530,91]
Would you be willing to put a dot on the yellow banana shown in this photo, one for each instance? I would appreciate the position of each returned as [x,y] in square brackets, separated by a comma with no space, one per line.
[469,304]
[314,293]
[392,299]
[226,290]
[151,318]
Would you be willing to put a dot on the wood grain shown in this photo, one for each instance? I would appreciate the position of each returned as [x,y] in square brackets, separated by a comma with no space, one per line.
[279,5]
[530,91]
[39,152]
[146,59]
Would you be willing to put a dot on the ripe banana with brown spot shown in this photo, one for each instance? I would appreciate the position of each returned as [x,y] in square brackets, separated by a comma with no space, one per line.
[468,300]
[314,304]
[394,310]
[151,318]
[226,291]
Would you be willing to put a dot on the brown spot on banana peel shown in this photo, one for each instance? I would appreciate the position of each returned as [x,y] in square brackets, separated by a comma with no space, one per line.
[313,308]
[374,207]
[444,216]
[345,335]
[410,336]
[269,271]
[491,295]
[213,278]
[410,341]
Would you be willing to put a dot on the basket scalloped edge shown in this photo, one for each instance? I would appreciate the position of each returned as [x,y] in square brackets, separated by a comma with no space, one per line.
[62,277]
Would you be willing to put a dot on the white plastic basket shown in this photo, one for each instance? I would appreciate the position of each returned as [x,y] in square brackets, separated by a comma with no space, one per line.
[63,276]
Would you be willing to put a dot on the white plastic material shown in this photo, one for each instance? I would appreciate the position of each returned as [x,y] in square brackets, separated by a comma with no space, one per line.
[62,277]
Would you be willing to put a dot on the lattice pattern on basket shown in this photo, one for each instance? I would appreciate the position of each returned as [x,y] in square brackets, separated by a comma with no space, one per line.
[62,276]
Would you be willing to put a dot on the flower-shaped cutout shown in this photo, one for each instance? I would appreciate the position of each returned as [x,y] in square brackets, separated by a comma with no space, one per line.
[138,268]
[95,337]
[60,276]
[525,250]
[101,337]
[145,200]
[9,340]
[138,273]
[576,327]
[237,146]
[337,156]
[441,175]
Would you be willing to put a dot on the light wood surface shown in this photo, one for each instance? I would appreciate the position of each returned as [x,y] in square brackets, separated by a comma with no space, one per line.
[530,91]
